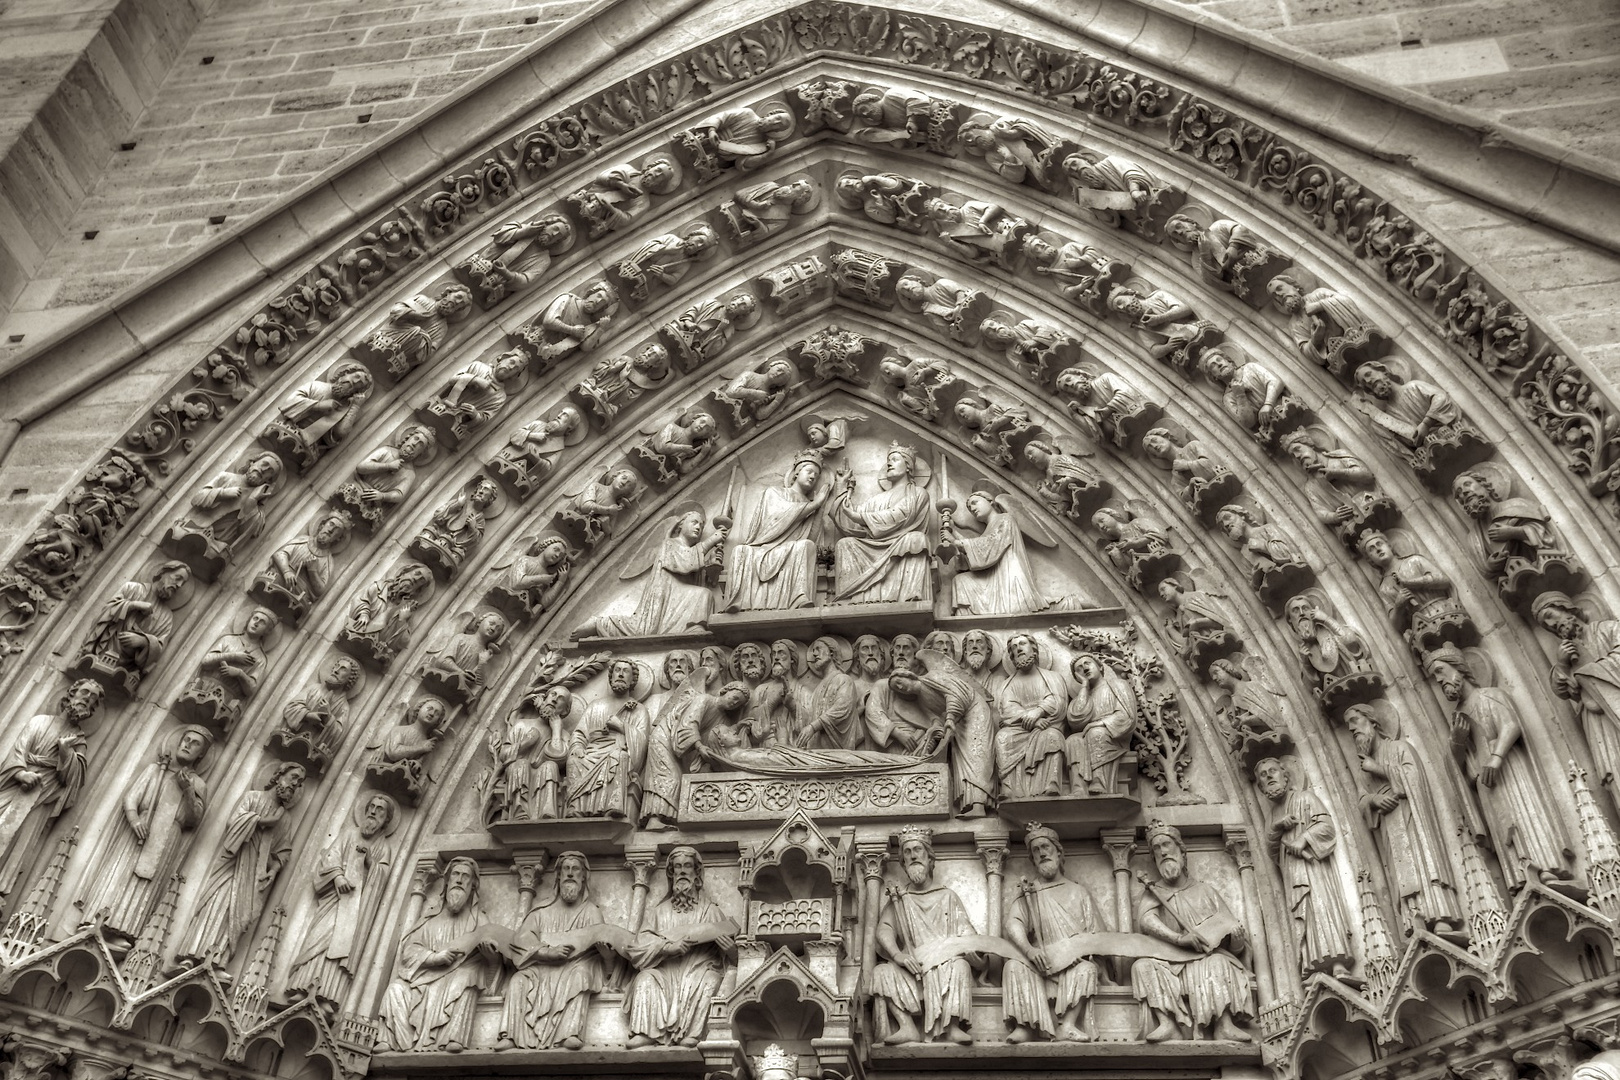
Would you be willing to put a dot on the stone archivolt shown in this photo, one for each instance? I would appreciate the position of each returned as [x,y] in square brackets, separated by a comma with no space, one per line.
[844,410]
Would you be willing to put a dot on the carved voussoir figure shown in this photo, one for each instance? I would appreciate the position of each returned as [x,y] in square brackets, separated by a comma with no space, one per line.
[978,230]
[313,722]
[1515,536]
[457,527]
[1334,652]
[133,629]
[398,763]
[1211,990]
[680,952]
[416,329]
[300,570]
[350,877]
[229,675]
[1049,994]
[162,806]
[43,773]
[1204,483]
[572,322]
[1019,149]
[381,620]
[1421,600]
[620,194]
[664,260]
[678,447]
[1069,485]
[1199,623]
[1037,349]
[464,665]
[445,961]
[1253,394]
[1587,673]
[319,415]
[888,199]
[474,396]
[1000,424]
[1421,422]
[1278,568]
[924,386]
[518,256]
[756,394]
[386,476]
[615,383]
[1327,326]
[1170,329]
[902,118]
[226,514]
[1342,491]
[1122,192]
[952,307]
[1083,274]
[1136,543]
[1229,255]
[256,845]
[763,210]
[531,452]
[702,332]
[739,137]
[532,580]
[928,997]
[1109,406]
[594,512]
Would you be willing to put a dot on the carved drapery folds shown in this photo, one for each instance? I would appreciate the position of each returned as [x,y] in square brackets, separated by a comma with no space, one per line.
[835,581]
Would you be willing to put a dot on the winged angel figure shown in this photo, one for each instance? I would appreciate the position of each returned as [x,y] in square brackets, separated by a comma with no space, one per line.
[676,597]
[993,571]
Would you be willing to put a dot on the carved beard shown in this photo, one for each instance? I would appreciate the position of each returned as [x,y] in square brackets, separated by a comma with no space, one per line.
[917,873]
[569,891]
[1364,743]
[1049,868]
[1023,661]
[683,895]
[455,898]
[872,665]
[1170,868]
[975,659]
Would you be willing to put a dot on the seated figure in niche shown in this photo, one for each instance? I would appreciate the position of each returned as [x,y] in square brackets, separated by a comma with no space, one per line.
[680,446]
[888,199]
[664,260]
[1201,480]
[621,193]
[676,597]
[738,137]
[1016,147]
[492,269]
[1276,563]
[703,331]
[320,414]
[1515,536]
[531,452]
[1110,406]
[301,569]
[226,513]
[534,579]
[1420,420]
[1036,348]
[386,476]
[1068,484]
[1252,394]
[772,567]
[456,527]
[994,575]
[133,628]
[571,323]
[477,393]
[997,424]
[1102,717]
[882,555]
[1083,274]
[615,383]
[955,309]
[417,327]
[380,620]
[978,230]
[892,116]
[597,508]
[230,673]
[399,764]
[1117,189]
[918,383]
[313,723]
[755,395]
[1136,543]
[1326,324]
[1342,491]
[764,210]
[462,667]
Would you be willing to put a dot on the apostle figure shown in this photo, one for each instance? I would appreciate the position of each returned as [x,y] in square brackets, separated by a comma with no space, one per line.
[773,565]
[477,393]
[41,778]
[445,961]
[1049,996]
[418,326]
[675,599]
[1487,731]
[1587,674]
[350,878]
[1401,807]
[1030,704]
[320,414]
[599,768]
[228,511]
[1302,838]
[1211,993]
[380,618]
[913,1001]
[1515,533]
[1406,412]
[386,475]
[162,805]
[527,752]
[457,526]
[1102,718]
[994,575]
[676,725]
[318,715]
[256,845]
[882,555]
[550,993]
[572,323]
[680,953]
[955,707]
[831,715]
[301,569]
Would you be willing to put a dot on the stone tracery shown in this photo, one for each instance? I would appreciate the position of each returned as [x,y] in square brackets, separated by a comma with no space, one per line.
[602,517]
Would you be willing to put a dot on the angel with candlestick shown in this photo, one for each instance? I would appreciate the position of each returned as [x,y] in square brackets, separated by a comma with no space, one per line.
[994,575]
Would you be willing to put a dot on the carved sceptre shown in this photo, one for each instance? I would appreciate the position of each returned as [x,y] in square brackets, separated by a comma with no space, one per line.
[722,522]
[947,548]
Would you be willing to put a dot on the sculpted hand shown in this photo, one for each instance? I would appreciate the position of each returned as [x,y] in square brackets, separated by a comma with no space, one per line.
[1042,962]
[726,942]
[909,962]
[129,640]
[139,828]
[1568,652]
[1386,802]
[1491,771]
[27,779]
[342,885]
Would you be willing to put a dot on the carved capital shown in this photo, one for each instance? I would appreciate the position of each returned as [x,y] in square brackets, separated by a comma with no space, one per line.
[1239,847]
[422,874]
[1121,843]
[30,1059]
[873,858]
[528,868]
[993,851]
[641,862]
[87,1066]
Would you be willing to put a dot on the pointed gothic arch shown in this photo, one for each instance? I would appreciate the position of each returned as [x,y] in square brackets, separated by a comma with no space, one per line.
[979,138]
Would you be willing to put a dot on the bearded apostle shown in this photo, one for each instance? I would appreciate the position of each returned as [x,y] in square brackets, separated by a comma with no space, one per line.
[1030,703]
[1210,993]
[550,992]
[162,805]
[1051,994]
[1302,840]
[41,778]
[349,882]
[957,709]
[445,961]
[680,953]
[256,845]
[601,767]
[913,1001]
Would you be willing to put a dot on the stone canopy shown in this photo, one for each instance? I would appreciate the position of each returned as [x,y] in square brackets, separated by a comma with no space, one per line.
[650,571]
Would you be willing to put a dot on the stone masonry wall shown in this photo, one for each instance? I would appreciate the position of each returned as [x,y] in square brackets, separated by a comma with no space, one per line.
[265,95]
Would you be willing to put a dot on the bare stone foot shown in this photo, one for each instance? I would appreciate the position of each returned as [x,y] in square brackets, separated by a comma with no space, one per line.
[573,1042]
[958,1034]
[1167,1031]
[1070,1033]
[640,1042]
[1227,1031]
[905,1032]
[1020,1034]
[504,1043]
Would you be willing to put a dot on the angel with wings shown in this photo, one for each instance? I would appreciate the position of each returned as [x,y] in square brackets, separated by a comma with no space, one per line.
[675,598]
[994,575]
